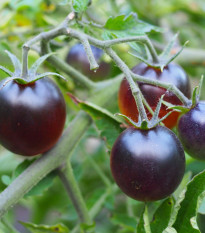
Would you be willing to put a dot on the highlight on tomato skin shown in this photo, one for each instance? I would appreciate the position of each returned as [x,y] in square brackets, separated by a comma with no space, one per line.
[172,74]
[191,131]
[77,58]
[32,116]
[147,165]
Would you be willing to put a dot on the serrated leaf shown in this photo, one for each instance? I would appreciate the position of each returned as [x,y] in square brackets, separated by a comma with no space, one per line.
[34,228]
[37,63]
[108,125]
[16,63]
[193,196]
[80,5]
[128,223]
[162,215]
[124,26]
[121,22]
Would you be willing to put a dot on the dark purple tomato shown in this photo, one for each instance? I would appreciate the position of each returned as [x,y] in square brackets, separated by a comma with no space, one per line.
[147,165]
[32,116]
[172,74]
[78,59]
[191,131]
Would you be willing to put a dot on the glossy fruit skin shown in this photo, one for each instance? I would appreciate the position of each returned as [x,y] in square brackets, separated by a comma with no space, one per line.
[32,116]
[173,74]
[147,165]
[78,59]
[191,131]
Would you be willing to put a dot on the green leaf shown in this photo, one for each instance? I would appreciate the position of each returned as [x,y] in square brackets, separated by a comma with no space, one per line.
[80,5]
[6,180]
[193,196]
[108,125]
[124,26]
[125,221]
[58,228]
[140,226]
[121,22]
[162,215]
[169,230]
[87,228]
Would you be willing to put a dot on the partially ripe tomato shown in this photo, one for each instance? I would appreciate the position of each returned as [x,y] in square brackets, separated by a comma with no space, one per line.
[32,116]
[172,74]
[78,59]
[191,131]
[147,165]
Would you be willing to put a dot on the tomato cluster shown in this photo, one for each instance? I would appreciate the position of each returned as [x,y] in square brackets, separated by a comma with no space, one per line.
[149,164]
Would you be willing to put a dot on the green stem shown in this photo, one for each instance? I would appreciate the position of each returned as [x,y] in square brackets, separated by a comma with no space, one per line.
[74,193]
[167,86]
[24,72]
[134,87]
[78,77]
[146,220]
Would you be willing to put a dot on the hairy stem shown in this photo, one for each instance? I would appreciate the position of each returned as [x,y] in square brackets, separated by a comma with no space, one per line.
[134,88]
[74,193]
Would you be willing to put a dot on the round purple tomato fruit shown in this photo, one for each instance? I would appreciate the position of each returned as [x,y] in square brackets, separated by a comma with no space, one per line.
[78,59]
[191,131]
[32,116]
[172,74]
[147,165]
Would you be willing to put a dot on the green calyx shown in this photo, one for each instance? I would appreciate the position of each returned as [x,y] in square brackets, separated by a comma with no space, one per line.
[164,58]
[194,100]
[32,75]
[145,124]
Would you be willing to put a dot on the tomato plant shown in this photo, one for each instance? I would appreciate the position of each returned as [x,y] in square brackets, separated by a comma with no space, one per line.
[69,186]
[32,116]
[172,74]
[147,165]
[77,58]
[191,131]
